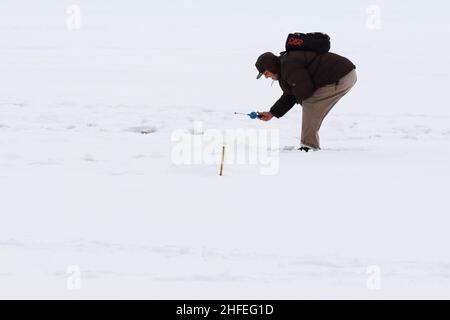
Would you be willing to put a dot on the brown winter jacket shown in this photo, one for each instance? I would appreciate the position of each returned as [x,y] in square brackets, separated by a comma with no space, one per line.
[302,72]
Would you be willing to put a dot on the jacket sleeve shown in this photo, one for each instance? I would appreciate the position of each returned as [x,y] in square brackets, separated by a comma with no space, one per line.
[283,105]
[300,82]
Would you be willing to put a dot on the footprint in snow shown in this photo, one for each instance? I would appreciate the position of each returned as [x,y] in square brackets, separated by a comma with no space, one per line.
[289,148]
[143,129]
[195,131]
[89,158]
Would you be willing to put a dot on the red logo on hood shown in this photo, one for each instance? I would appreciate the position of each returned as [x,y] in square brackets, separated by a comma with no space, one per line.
[295,42]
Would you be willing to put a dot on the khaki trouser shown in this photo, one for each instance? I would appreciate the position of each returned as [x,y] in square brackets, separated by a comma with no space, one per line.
[316,107]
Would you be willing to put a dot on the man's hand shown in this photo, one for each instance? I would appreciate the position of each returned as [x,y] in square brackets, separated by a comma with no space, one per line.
[265,116]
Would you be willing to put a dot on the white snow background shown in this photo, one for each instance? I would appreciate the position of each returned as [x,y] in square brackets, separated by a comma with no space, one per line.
[80,185]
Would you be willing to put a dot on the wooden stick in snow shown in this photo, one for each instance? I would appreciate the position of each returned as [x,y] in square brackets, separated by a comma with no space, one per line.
[221,161]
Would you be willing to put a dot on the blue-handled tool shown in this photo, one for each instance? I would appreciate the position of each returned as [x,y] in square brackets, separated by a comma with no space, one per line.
[252,115]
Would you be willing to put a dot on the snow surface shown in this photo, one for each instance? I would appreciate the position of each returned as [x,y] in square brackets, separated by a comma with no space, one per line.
[87,178]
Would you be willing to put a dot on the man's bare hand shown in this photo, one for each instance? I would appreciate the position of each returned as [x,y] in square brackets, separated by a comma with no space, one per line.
[265,116]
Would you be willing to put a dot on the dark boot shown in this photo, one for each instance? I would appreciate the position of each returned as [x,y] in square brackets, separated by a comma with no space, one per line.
[306,149]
